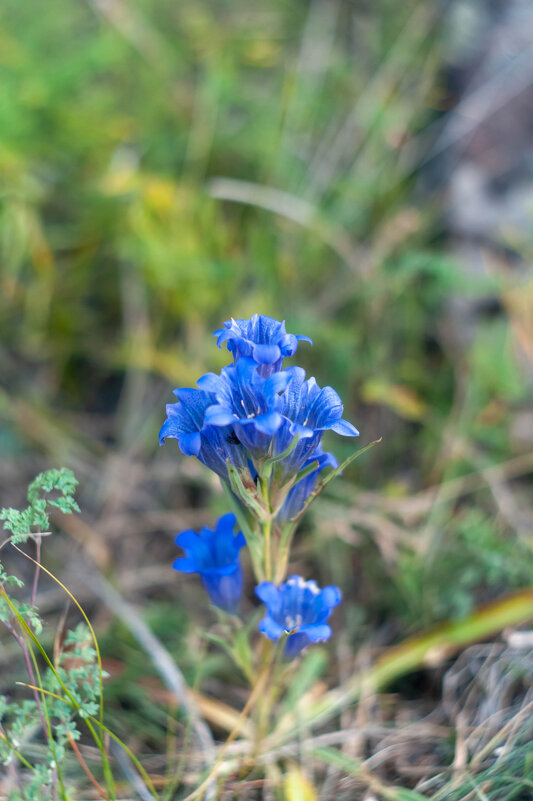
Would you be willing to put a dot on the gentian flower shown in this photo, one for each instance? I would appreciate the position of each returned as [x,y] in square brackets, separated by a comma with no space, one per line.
[298,608]
[214,555]
[248,402]
[308,411]
[267,413]
[213,446]
[297,496]
[262,338]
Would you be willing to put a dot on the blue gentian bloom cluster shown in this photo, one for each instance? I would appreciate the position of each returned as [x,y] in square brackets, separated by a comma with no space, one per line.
[266,422]
[254,409]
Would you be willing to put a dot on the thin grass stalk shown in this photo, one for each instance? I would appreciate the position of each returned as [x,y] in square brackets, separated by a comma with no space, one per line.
[90,719]
[110,784]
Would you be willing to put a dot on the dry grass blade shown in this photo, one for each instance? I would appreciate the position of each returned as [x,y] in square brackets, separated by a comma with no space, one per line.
[99,789]
[215,770]
[157,652]
[292,208]
[328,159]
[426,650]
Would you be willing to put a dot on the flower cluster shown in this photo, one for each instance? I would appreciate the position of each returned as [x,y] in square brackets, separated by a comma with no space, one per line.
[254,410]
[259,426]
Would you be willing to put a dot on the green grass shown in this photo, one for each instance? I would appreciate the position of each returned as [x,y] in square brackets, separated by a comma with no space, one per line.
[167,165]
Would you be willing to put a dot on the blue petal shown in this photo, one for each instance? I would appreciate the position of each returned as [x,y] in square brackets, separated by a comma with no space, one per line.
[225,589]
[269,594]
[303,431]
[222,335]
[225,549]
[302,338]
[185,565]
[194,402]
[170,428]
[288,345]
[226,524]
[316,631]
[239,541]
[186,539]
[210,382]
[195,547]
[266,354]
[268,423]
[218,416]
[190,444]
[277,383]
[295,644]
[270,628]
[326,408]
[328,599]
[345,429]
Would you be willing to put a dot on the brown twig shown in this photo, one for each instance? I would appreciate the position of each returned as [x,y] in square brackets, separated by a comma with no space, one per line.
[98,787]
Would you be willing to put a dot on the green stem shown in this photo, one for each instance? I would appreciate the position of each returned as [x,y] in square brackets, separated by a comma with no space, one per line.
[266,526]
[272,656]
[267,534]
[249,529]
[282,560]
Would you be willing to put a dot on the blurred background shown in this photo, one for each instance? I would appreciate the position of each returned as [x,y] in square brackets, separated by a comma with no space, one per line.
[363,170]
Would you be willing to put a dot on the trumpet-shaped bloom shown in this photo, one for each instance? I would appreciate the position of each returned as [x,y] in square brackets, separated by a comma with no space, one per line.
[214,555]
[248,402]
[267,413]
[212,445]
[308,411]
[298,495]
[299,609]
[262,338]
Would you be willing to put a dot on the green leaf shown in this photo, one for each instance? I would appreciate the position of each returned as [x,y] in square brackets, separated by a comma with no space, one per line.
[339,760]
[312,667]
[305,472]
[243,493]
[253,536]
[268,463]
[344,465]
[354,767]
[243,651]
[325,481]
[404,794]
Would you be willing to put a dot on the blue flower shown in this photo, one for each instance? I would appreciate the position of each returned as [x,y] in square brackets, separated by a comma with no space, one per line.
[214,555]
[248,402]
[298,608]
[213,446]
[308,411]
[298,495]
[267,413]
[262,338]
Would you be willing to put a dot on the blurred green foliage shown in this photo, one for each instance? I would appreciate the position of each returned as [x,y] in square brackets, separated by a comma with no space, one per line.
[113,119]
[166,165]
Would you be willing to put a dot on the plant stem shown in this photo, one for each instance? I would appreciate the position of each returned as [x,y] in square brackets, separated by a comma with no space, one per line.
[38,539]
[267,534]
[23,645]
[249,530]
[253,697]
[272,655]
[99,789]
[266,526]
[282,558]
